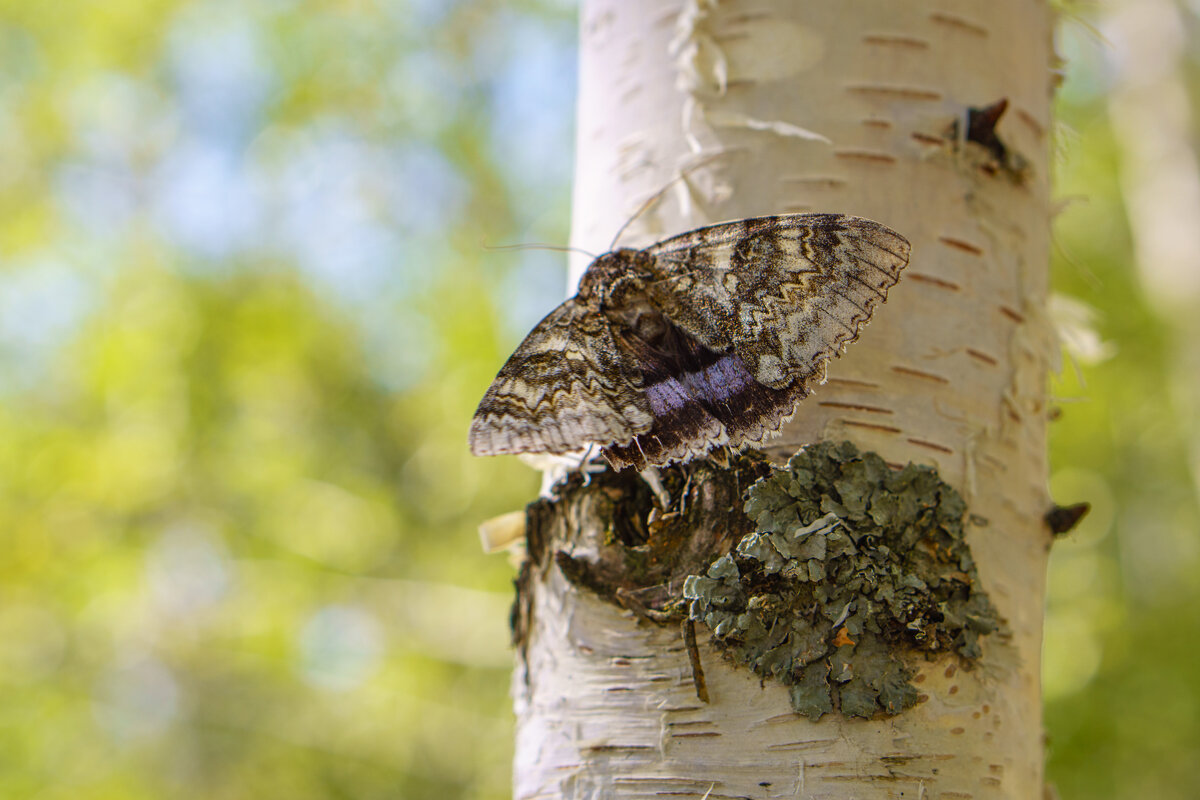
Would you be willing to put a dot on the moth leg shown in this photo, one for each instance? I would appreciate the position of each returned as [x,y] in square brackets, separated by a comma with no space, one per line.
[555,468]
[687,484]
[584,466]
[653,479]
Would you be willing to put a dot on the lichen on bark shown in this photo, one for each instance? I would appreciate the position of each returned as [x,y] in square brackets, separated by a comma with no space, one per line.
[830,574]
[854,568]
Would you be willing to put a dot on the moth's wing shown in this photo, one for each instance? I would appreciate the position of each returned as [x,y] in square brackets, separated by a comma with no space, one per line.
[709,400]
[786,293]
[565,387]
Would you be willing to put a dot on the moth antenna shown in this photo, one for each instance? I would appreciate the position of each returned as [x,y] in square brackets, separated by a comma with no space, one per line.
[654,198]
[557,248]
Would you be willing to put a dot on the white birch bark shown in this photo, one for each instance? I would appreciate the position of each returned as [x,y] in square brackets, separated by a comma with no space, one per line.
[841,107]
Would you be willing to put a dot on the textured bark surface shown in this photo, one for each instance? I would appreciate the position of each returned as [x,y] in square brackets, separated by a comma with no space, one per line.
[861,108]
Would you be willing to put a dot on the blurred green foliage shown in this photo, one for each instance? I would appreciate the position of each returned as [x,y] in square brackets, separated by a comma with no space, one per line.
[1121,643]
[245,315]
[244,320]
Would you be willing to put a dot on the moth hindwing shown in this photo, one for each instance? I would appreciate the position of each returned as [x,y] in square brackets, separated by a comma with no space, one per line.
[710,337]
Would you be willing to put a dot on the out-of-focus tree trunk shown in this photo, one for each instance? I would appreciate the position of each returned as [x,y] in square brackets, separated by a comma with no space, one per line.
[858,107]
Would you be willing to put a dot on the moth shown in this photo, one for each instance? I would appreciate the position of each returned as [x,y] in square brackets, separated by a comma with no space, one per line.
[704,339]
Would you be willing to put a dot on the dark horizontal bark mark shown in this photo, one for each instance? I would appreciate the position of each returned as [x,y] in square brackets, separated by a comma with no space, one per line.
[941,283]
[865,155]
[811,744]
[959,244]
[981,356]
[903,92]
[916,373]
[871,426]
[1037,127]
[931,446]
[817,180]
[895,39]
[925,138]
[959,23]
[856,407]
[851,383]
[1012,313]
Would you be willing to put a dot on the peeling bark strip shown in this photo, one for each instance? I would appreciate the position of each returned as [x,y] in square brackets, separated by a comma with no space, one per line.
[855,566]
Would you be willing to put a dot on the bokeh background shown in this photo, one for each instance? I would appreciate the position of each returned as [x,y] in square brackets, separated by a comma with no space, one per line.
[247,306]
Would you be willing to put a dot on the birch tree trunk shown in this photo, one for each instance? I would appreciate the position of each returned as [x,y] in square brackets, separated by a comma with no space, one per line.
[859,107]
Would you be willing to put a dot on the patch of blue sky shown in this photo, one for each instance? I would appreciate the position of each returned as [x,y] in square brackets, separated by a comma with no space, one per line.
[425,90]
[201,195]
[531,290]
[322,216]
[363,223]
[42,303]
[340,648]
[356,216]
[1090,62]
[422,13]
[139,698]
[188,570]
[426,191]
[220,74]
[399,344]
[203,200]
[116,122]
[533,102]
[399,341]
[115,119]
[97,199]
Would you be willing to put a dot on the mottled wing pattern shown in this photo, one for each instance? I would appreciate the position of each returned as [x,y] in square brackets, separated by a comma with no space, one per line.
[707,338]
[701,399]
[785,293]
[566,386]
[764,304]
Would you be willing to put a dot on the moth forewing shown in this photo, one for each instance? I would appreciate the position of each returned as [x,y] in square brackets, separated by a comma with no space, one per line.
[710,337]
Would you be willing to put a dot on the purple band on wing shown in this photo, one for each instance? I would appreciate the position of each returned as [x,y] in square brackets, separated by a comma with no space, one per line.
[667,396]
[719,381]
[699,398]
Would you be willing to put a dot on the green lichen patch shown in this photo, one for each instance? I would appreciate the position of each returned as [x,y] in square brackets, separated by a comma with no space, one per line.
[853,565]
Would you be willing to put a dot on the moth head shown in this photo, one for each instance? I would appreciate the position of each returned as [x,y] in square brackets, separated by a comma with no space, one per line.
[613,275]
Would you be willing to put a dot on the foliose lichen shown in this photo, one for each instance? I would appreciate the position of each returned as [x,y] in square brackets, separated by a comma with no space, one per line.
[853,565]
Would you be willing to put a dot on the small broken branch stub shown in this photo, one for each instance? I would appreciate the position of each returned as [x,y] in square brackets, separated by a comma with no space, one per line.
[1063,519]
[980,145]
